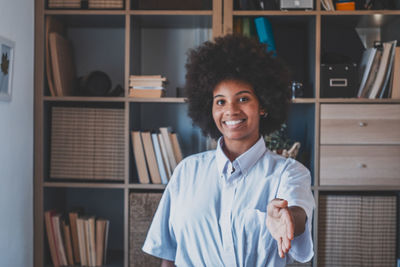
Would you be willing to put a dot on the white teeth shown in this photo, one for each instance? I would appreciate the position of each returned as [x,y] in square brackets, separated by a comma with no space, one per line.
[233,122]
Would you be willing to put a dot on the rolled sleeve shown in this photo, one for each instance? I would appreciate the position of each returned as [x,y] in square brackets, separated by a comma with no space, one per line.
[295,187]
[160,241]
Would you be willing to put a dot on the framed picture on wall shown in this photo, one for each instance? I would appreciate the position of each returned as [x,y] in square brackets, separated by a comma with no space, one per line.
[6,68]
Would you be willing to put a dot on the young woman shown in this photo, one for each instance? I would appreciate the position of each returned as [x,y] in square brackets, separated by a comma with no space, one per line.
[241,204]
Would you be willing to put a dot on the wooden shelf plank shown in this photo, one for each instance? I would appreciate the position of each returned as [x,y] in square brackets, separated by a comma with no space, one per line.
[147,186]
[348,188]
[303,100]
[171,12]
[84,12]
[274,13]
[83,99]
[84,185]
[358,100]
[158,100]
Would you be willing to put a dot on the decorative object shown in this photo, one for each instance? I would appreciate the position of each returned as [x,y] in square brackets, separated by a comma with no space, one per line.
[278,142]
[6,68]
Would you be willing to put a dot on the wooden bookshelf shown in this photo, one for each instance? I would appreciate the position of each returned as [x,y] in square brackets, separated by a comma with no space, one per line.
[124,27]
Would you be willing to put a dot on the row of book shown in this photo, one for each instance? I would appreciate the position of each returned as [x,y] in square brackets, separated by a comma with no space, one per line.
[156,155]
[83,241]
[147,86]
[380,70]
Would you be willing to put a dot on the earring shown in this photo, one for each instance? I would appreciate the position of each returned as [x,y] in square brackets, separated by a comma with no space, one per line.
[263,115]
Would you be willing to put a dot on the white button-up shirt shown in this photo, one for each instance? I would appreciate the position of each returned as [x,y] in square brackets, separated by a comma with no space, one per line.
[213,211]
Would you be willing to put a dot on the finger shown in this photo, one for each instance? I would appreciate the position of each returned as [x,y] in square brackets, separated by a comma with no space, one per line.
[286,244]
[279,203]
[280,251]
[289,223]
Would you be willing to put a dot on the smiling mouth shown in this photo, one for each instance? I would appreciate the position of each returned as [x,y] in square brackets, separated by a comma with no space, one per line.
[233,123]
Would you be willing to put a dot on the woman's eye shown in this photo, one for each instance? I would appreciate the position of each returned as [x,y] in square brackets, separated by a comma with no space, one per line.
[243,99]
[220,102]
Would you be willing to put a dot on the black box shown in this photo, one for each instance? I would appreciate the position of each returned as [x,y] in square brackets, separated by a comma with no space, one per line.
[339,80]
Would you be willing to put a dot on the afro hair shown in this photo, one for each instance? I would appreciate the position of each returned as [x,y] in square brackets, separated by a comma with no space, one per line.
[236,57]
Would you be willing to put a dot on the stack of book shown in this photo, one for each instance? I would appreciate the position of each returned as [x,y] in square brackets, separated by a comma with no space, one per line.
[156,155]
[106,4]
[83,241]
[380,72]
[147,86]
[64,3]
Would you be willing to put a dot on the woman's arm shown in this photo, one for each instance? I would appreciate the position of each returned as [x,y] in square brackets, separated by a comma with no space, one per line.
[167,263]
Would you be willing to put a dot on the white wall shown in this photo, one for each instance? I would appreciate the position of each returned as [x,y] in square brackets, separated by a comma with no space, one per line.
[16,139]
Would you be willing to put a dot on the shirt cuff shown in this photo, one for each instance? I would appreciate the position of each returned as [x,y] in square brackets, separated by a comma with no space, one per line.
[163,253]
[302,246]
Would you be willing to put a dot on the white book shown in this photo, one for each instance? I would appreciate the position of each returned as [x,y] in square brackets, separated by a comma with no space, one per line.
[389,71]
[165,133]
[382,71]
[160,162]
[365,67]
[165,156]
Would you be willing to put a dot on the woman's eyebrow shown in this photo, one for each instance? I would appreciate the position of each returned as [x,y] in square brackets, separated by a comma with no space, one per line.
[238,93]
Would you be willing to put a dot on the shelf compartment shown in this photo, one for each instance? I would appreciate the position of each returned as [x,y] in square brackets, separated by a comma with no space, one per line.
[101,203]
[251,6]
[300,128]
[97,43]
[336,29]
[77,157]
[152,116]
[348,232]
[295,44]
[159,46]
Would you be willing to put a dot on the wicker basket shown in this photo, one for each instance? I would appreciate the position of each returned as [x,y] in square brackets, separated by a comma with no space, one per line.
[87,143]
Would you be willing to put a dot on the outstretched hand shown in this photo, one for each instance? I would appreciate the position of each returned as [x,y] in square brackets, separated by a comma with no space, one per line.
[280,223]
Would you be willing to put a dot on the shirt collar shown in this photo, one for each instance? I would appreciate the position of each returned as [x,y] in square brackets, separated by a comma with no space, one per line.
[244,161]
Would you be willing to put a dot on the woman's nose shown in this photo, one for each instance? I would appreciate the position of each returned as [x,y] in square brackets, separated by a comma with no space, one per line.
[232,108]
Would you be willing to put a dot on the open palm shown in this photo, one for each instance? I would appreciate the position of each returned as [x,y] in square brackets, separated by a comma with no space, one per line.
[280,223]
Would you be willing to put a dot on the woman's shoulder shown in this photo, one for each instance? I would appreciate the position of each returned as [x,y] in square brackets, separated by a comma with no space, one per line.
[199,158]
[284,164]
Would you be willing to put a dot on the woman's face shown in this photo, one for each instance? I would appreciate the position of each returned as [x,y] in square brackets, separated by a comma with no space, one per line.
[236,112]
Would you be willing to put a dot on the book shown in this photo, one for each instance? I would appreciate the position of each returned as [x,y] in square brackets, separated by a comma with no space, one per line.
[52,25]
[92,240]
[63,66]
[100,239]
[382,70]
[106,241]
[138,152]
[88,243]
[147,77]
[56,221]
[50,237]
[73,216]
[82,241]
[164,156]
[365,67]
[372,74]
[165,133]
[68,243]
[151,158]
[146,93]
[176,147]
[395,88]
[389,72]
[265,34]
[160,161]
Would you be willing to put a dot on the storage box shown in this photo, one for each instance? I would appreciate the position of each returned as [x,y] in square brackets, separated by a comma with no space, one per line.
[87,143]
[339,80]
